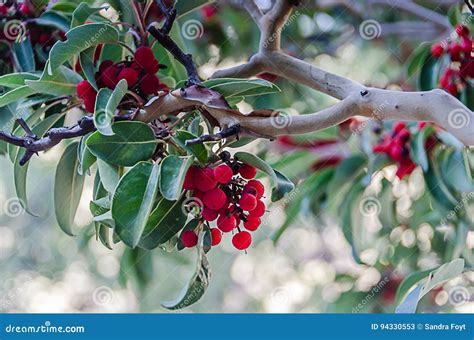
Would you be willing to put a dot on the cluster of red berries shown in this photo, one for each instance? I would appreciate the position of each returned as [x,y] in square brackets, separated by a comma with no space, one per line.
[229,194]
[15,9]
[209,11]
[462,60]
[139,73]
[396,145]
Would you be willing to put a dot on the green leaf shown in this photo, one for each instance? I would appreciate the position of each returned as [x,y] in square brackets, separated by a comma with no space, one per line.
[198,284]
[15,94]
[132,142]
[444,273]
[418,58]
[79,39]
[437,187]
[86,59]
[21,172]
[109,175]
[281,184]
[82,13]
[133,201]
[230,87]
[86,158]
[454,173]
[105,219]
[24,56]
[197,150]
[418,149]
[54,19]
[14,80]
[103,234]
[165,221]
[105,106]
[61,83]
[408,283]
[173,172]
[68,186]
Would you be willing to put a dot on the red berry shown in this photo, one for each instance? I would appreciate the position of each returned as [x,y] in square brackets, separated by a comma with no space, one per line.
[3,9]
[466,46]
[149,84]
[25,9]
[205,180]
[405,168]
[189,238]
[188,183]
[252,223]
[258,187]
[208,11]
[462,30]
[43,39]
[259,210]
[422,125]
[226,223]
[215,199]
[209,214]
[223,174]
[248,202]
[130,75]
[109,77]
[85,90]
[199,195]
[455,51]
[89,104]
[452,89]
[398,127]
[467,69]
[247,171]
[104,65]
[242,240]
[145,58]
[437,50]
[404,135]
[216,236]
[397,152]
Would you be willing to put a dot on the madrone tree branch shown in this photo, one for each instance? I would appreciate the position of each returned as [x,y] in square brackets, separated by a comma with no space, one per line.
[436,106]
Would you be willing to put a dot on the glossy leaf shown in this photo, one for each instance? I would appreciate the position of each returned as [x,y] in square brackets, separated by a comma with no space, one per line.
[280,183]
[198,284]
[173,172]
[62,82]
[20,172]
[68,186]
[79,39]
[230,87]
[165,221]
[86,60]
[86,158]
[24,56]
[109,175]
[444,273]
[132,142]
[105,106]
[133,201]
[198,150]
[82,13]
[14,80]
[15,94]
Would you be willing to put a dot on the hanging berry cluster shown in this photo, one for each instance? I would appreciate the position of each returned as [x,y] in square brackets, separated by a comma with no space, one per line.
[139,73]
[461,66]
[230,196]
[396,145]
